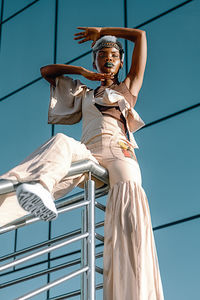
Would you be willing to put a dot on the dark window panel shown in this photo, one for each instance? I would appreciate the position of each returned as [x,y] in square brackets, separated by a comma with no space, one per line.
[7,240]
[11,7]
[169,160]
[22,117]
[67,286]
[76,13]
[178,252]
[139,11]
[26,45]
[171,80]
[24,288]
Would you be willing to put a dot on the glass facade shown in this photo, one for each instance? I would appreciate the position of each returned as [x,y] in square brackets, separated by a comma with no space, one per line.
[36,33]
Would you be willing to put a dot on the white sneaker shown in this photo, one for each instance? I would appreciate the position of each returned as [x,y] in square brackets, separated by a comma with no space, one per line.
[35,199]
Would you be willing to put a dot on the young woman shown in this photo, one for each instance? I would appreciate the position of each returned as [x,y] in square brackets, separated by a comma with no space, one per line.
[131,270]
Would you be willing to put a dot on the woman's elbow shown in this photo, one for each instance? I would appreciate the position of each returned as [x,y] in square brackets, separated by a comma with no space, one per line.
[143,33]
[44,71]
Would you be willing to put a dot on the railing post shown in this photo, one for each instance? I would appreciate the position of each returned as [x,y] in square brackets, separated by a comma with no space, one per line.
[91,239]
[84,255]
[88,255]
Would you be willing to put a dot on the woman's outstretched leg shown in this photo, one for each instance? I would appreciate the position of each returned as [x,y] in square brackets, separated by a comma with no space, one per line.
[49,163]
[45,168]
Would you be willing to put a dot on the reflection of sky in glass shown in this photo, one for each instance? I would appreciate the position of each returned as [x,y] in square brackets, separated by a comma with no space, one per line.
[73,14]
[168,154]
[139,11]
[24,48]
[168,87]
[23,115]
[178,251]
[11,7]
[170,177]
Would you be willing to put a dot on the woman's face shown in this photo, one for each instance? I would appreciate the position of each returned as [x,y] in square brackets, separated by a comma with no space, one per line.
[108,60]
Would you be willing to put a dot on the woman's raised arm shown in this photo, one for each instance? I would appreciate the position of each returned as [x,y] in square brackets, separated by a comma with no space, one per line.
[135,76]
[50,72]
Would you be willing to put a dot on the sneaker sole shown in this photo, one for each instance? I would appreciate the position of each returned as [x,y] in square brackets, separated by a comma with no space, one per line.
[34,204]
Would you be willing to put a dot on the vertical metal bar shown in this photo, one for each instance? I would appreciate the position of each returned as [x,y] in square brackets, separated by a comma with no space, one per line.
[55,49]
[82,256]
[91,239]
[15,245]
[49,259]
[86,252]
[52,126]
[86,242]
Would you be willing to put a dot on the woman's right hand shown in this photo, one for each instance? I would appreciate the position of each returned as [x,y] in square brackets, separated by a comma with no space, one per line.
[88,34]
[96,76]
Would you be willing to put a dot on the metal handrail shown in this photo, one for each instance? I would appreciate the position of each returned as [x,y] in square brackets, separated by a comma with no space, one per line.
[62,203]
[74,293]
[47,271]
[46,243]
[41,252]
[79,167]
[53,283]
[85,200]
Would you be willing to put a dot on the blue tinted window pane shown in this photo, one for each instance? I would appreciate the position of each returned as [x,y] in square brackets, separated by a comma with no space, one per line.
[169,160]
[11,7]
[7,243]
[172,76]
[178,250]
[73,14]
[26,45]
[26,236]
[23,124]
[99,294]
[24,288]
[140,11]
[67,286]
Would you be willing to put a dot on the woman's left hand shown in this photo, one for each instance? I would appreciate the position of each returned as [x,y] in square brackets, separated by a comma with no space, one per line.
[96,76]
[89,33]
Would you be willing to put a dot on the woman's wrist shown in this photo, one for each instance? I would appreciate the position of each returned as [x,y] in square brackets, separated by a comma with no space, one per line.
[121,32]
[82,71]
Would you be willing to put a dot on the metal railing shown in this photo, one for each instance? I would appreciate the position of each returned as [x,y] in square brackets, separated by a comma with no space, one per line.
[87,235]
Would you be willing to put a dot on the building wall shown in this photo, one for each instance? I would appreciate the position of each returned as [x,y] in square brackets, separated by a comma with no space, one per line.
[36,33]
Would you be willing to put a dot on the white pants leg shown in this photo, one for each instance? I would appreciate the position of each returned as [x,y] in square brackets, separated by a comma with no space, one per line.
[49,165]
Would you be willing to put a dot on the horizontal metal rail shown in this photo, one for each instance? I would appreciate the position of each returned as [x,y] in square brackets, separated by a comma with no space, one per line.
[99,270]
[86,166]
[65,202]
[52,259]
[84,200]
[79,167]
[74,293]
[41,252]
[46,243]
[53,283]
[47,271]
[40,245]
[100,206]
[99,237]
[41,273]
[8,186]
